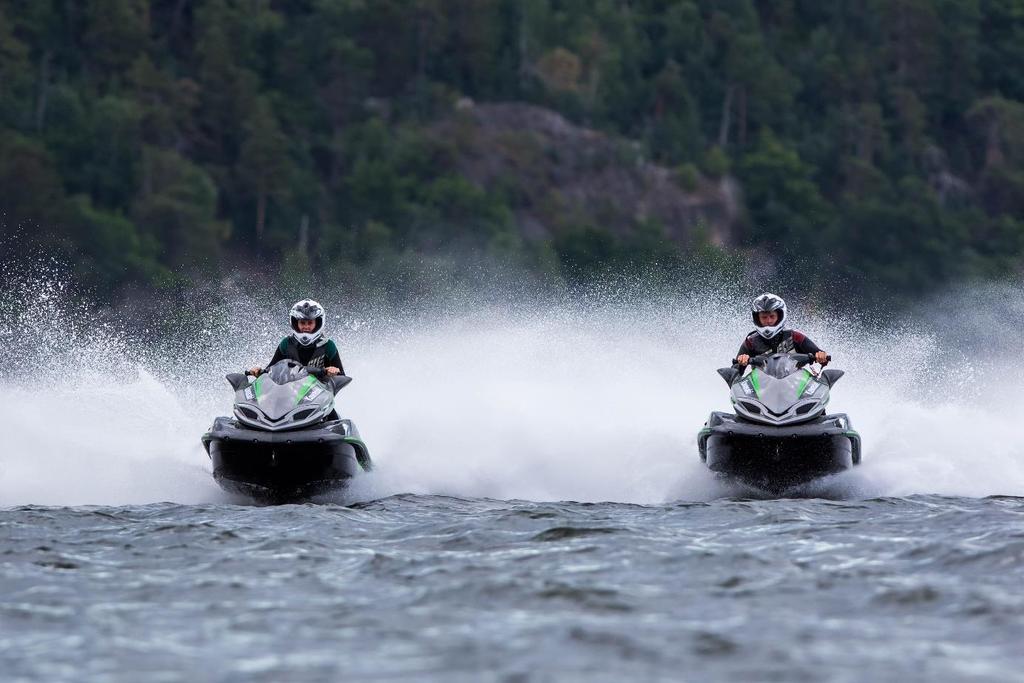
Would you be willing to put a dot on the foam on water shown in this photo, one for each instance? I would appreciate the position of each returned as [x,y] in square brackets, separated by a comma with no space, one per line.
[588,398]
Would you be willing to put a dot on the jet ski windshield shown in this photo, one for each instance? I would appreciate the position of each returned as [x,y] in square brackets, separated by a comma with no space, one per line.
[285,372]
[282,387]
[780,366]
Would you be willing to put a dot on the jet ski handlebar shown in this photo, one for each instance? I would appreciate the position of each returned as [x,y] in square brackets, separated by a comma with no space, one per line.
[319,373]
[735,371]
[800,358]
[239,381]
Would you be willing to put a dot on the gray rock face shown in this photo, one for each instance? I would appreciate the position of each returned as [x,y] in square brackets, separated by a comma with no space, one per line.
[561,175]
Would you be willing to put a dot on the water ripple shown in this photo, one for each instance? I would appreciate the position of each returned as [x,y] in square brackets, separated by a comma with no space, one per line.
[426,587]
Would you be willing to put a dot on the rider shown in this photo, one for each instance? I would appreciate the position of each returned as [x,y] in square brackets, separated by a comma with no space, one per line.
[771,335]
[307,344]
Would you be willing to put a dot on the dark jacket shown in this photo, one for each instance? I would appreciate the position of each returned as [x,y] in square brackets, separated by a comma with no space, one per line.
[785,341]
[323,354]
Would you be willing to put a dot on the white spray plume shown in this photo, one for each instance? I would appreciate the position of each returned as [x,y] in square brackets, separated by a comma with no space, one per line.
[590,399]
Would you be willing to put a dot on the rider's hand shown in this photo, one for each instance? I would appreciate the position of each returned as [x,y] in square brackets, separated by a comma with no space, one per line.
[821,357]
[256,371]
[332,371]
[743,359]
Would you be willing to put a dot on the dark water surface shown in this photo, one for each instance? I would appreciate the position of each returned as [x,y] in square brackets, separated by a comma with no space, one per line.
[435,588]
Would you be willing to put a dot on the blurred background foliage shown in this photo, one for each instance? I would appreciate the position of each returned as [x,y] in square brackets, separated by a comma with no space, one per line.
[154,143]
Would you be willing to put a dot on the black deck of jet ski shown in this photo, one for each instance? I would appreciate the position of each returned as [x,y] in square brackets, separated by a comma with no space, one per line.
[776,458]
[286,465]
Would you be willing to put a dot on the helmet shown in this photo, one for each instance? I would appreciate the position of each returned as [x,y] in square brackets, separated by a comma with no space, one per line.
[768,302]
[307,309]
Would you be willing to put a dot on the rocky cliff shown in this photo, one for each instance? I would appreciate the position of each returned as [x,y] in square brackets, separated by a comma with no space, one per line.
[559,176]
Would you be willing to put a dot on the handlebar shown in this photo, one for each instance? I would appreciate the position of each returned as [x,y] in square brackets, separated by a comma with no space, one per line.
[319,373]
[335,383]
[800,358]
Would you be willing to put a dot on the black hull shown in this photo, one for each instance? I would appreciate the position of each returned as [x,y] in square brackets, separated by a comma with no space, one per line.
[775,459]
[277,467]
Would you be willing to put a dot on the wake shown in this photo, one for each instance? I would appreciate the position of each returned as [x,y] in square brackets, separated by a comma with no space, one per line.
[588,398]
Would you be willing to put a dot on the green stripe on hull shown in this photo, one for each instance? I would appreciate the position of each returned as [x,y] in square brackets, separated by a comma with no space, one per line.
[803,384]
[355,442]
[304,389]
[755,382]
[360,447]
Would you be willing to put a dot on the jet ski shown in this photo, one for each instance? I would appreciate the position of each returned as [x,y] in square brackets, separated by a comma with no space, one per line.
[285,441]
[780,436]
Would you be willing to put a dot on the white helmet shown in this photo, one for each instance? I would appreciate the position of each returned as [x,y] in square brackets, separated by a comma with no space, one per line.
[307,309]
[769,302]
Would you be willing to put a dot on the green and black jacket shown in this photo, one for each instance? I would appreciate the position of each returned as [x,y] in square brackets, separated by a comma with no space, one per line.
[323,354]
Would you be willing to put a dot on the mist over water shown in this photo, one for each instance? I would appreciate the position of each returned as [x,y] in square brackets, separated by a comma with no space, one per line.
[587,397]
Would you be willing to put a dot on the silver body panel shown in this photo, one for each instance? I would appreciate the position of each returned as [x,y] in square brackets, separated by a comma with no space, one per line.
[285,397]
[780,393]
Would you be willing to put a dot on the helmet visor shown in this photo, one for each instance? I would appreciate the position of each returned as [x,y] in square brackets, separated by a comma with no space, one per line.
[318,323]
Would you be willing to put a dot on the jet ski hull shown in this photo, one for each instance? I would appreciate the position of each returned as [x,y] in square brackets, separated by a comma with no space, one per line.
[775,459]
[285,466]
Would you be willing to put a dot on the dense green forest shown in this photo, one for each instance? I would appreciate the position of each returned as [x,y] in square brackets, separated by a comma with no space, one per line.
[149,142]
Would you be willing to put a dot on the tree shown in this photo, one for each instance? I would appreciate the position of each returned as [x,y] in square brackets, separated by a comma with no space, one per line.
[756,90]
[15,77]
[786,208]
[166,105]
[1000,124]
[178,207]
[901,242]
[31,195]
[115,34]
[1001,48]
[264,167]
[227,90]
[114,251]
[675,127]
